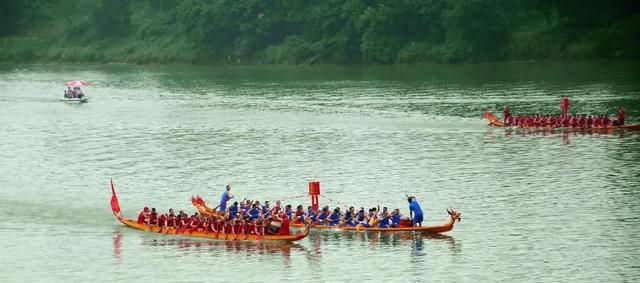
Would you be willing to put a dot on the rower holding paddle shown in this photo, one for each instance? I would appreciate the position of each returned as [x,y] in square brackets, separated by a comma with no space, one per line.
[226,196]
[621,115]
[415,212]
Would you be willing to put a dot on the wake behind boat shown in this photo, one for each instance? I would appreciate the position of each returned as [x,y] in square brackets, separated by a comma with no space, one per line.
[202,228]
[75,100]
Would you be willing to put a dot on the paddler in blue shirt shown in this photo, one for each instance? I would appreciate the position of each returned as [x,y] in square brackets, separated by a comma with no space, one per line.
[415,212]
[226,196]
[234,210]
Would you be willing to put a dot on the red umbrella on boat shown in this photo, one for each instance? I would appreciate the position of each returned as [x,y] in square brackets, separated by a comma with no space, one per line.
[77,83]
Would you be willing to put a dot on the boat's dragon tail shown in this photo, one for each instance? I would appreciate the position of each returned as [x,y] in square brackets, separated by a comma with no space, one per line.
[115,205]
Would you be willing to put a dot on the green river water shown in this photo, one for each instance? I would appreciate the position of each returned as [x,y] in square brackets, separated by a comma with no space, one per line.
[536,206]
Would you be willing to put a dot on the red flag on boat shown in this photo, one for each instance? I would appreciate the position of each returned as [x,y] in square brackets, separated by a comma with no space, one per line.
[115,206]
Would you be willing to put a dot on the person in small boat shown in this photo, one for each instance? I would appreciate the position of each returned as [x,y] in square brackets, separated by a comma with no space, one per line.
[334,217]
[226,196]
[79,93]
[564,105]
[415,211]
[395,218]
[143,215]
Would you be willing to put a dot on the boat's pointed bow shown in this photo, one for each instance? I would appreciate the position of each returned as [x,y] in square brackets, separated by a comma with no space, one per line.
[455,215]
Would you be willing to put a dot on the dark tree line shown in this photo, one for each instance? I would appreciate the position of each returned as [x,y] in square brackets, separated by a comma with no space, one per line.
[354,31]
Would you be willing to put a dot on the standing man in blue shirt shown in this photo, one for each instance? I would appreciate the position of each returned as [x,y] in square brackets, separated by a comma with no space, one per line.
[415,212]
[226,196]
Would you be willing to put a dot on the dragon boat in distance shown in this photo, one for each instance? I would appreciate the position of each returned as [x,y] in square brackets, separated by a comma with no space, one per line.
[405,224]
[115,207]
[494,121]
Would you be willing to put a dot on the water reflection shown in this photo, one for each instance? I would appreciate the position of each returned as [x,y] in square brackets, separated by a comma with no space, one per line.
[204,246]
[565,134]
[377,239]
[117,245]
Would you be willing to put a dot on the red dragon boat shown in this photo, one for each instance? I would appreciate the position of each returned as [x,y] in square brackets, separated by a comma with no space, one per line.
[314,190]
[115,207]
[494,121]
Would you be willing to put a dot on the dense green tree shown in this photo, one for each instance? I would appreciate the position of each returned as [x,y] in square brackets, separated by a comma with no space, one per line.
[10,14]
[338,31]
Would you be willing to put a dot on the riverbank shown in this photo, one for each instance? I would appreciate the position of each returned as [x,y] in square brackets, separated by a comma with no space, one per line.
[163,51]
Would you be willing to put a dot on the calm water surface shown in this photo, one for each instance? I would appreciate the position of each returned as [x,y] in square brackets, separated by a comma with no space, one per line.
[539,207]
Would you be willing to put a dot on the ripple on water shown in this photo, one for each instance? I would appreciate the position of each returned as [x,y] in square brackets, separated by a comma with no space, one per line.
[536,206]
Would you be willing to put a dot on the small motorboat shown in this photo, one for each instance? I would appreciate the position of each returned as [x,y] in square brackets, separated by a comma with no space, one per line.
[74,93]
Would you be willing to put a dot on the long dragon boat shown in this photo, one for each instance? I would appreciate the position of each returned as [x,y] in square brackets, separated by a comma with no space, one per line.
[115,207]
[494,121]
[405,225]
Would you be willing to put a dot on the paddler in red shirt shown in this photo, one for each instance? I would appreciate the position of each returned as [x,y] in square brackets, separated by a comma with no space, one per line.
[564,105]
[506,115]
[144,214]
[171,218]
[582,121]
[621,116]
[597,121]
[276,209]
[153,217]
[606,121]
[285,222]
[162,221]
[573,121]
